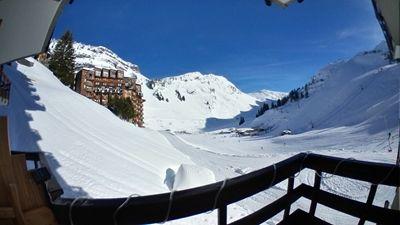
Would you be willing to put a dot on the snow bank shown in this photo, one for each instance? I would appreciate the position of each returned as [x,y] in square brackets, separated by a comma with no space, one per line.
[190,176]
[91,151]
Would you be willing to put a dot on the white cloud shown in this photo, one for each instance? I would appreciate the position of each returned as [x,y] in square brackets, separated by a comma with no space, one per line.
[371,34]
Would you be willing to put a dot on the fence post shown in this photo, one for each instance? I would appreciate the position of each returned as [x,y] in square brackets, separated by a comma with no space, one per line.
[317,185]
[370,200]
[290,189]
[222,215]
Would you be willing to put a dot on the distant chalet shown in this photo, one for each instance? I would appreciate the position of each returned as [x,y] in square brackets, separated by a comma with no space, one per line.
[99,84]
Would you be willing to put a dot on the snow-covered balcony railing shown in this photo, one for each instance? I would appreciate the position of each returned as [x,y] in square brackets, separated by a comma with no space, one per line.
[180,204]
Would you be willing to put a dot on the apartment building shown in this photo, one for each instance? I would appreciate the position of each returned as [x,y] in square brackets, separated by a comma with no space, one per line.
[100,84]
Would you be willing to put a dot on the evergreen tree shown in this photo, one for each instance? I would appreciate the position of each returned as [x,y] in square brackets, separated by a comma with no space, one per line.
[122,107]
[62,60]
[306,90]
[278,103]
[284,100]
[262,110]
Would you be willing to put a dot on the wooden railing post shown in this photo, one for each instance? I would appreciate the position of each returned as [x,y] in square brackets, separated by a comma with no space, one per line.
[370,200]
[222,215]
[290,189]
[317,185]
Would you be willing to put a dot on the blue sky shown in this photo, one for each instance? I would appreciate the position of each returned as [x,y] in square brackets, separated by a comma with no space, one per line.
[254,46]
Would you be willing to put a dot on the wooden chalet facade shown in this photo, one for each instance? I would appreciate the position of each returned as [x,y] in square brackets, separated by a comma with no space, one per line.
[100,84]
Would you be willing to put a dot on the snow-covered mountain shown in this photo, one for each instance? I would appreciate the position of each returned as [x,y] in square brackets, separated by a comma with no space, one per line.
[187,101]
[265,95]
[361,92]
[183,102]
[102,57]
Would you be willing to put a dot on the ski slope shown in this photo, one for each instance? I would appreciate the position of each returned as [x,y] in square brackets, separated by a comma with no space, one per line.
[91,151]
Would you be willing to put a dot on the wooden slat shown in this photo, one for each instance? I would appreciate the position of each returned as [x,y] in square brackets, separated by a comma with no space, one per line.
[370,200]
[16,203]
[387,174]
[6,172]
[31,194]
[272,209]
[317,185]
[222,215]
[6,213]
[40,216]
[301,217]
[354,208]
[290,189]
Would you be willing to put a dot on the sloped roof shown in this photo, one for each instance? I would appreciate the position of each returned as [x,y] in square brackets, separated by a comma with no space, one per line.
[387,13]
[26,27]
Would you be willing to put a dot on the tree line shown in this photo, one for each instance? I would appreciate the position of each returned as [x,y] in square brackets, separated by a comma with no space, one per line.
[293,96]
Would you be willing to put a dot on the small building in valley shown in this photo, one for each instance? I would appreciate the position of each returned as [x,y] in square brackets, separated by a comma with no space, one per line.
[99,84]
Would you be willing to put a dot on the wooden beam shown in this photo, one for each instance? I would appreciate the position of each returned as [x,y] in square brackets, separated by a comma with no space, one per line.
[317,185]
[354,208]
[6,213]
[370,200]
[19,215]
[222,215]
[290,189]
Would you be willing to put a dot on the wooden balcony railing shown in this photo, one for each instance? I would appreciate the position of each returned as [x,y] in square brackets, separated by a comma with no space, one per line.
[160,207]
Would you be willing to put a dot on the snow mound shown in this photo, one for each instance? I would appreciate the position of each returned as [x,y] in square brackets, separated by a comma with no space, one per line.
[190,176]
[90,151]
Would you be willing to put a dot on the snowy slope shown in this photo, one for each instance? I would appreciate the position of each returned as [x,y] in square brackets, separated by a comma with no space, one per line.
[88,147]
[362,91]
[206,96]
[265,95]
